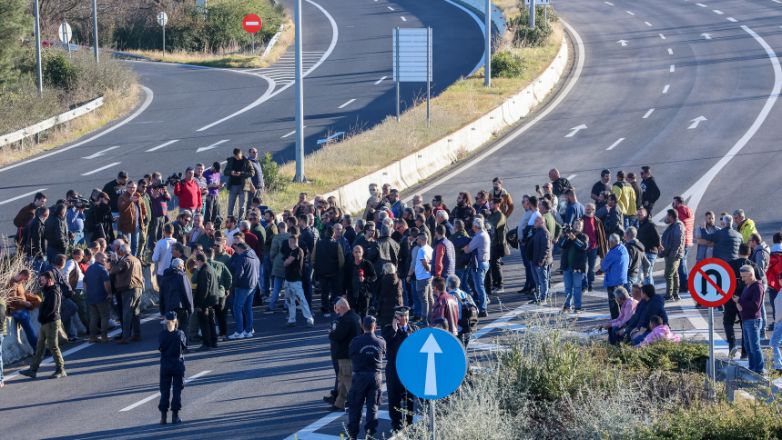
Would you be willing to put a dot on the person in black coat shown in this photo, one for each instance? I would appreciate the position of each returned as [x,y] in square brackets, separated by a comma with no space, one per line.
[172,345]
[574,244]
[398,398]
[175,293]
[56,232]
[347,327]
[390,296]
[361,278]
[35,235]
[206,297]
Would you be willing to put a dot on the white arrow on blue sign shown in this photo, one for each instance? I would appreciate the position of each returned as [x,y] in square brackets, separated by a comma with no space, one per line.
[431,363]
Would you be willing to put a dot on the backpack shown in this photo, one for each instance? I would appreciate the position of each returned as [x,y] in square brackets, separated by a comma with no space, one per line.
[468,313]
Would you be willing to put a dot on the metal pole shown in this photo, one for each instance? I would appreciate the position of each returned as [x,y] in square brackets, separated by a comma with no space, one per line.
[545,13]
[39,69]
[299,96]
[432,426]
[428,71]
[253,37]
[397,72]
[164,40]
[487,49]
[712,372]
[64,35]
[532,14]
[95,29]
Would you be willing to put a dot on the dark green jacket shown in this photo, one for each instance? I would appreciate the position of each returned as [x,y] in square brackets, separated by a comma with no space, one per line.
[207,288]
[224,277]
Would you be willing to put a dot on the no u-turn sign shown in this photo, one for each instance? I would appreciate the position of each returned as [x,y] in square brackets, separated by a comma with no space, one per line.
[712,282]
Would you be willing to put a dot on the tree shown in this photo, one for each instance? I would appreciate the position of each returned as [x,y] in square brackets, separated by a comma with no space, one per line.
[15,25]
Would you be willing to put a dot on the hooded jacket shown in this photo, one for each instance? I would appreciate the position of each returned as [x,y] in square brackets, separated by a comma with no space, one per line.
[175,292]
[637,255]
[244,268]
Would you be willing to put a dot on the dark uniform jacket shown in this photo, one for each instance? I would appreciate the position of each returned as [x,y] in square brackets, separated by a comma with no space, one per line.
[390,298]
[35,239]
[394,340]
[366,353]
[172,346]
[175,292]
[346,328]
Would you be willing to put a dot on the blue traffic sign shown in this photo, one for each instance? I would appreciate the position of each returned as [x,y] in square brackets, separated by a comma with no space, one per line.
[431,363]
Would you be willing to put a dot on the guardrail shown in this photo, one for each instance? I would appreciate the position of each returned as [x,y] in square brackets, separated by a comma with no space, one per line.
[50,123]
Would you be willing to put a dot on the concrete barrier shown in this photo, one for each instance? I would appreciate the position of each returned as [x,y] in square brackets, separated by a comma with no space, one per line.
[418,166]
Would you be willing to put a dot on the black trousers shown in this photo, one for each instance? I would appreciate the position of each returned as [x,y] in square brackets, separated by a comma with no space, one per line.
[183,316]
[365,387]
[329,292]
[494,275]
[221,315]
[401,404]
[306,283]
[206,320]
[167,380]
[729,323]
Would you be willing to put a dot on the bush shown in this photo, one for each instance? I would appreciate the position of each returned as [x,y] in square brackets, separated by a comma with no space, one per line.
[523,35]
[670,356]
[506,65]
[59,72]
[272,179]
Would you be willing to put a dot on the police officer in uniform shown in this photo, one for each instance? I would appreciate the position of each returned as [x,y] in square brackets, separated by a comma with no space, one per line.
[366,355]
[172,368]
[398,397]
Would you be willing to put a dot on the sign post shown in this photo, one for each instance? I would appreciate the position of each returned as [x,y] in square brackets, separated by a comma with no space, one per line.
[39,70]
[711,283]
[431,364]
[412,60]
[252,24]
[162,20]
[64,34]
[299,82]
[95,29]
[487,48]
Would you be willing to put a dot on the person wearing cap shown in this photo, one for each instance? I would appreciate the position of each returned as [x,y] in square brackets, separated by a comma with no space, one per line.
[172,346]
[175,293]
[49,318]
[366,356]
[399,399]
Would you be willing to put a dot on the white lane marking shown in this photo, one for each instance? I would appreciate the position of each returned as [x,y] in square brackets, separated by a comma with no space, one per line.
[695,193]
[147,101]
[662,36]
[696,122]
[666,88]
[648,24]
[706,36]
[672,68]
[156,395]
[12,199]
[701,5]
[777,1]
[403,18]
[732,20]
[623,43]
[50,361]
[630,12]
[390,8]
[163,145]
[609,3]
[717,11]
[380,80]
[271,93]
[214,145]
[97,170]
[572,176]
[648,113]
[575,130]
[290,133]
[100,153]
[347,103]
[670,51]
[614,145]
[565,91]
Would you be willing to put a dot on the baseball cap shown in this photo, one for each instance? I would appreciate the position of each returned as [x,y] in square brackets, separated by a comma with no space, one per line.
[170,316]
[368,321]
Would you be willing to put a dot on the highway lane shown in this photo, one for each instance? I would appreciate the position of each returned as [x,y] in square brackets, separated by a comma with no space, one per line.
[348,42]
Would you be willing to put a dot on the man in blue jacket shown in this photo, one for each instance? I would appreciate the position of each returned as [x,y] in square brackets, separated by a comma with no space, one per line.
[614,267]
[245,268]
[176,295]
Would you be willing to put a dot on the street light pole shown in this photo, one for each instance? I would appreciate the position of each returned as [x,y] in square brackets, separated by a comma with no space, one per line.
[532,14]
[95,29]
[299,95]
[487,54]
[39,69]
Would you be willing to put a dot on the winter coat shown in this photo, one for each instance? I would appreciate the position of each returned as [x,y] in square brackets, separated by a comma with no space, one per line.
[648,236]
[207,291]
[726,243]
[275,254]
[672,241]
[578,249]
[637,259]
[347,327]
[128,212]
[35,239]
[245,270]
[614,265]
[389,298]
[541,247]
[56,233]
[175,292]
[224,278]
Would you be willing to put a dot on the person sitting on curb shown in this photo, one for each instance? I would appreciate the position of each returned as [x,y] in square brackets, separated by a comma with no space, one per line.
[658,331]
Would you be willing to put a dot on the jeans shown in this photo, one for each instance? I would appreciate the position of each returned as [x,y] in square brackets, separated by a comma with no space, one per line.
[423,290]
[1,358]
[78,238]
[751,332]
[541,281]
[772,295]
[276,287]
[478,275]
[22,317]
[295,292]
[132,238]
[243,310]
[464,276]
[416,300]
[591,261]
[155,230]
[671,277]
[613,307]
[776,340]
[234,192]
[573,285]
[51,253]
[648,277]
[131,321]
[529,278]
[684,270]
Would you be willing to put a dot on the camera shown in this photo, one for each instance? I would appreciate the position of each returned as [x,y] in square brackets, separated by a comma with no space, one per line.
[78,201]
[173,179]
[568,229]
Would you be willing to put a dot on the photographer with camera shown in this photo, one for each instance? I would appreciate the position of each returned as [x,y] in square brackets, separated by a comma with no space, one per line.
[132,216]
[188,192]
[75,216]
[98,221]
[574,244]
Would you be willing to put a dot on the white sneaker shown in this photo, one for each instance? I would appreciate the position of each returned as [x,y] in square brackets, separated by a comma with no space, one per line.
[311,322]
[248,334]
[236,336]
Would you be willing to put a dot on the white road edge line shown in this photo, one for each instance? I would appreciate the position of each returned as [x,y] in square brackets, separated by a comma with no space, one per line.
[614,145]
[380,80]
[390,8]
[163,145]
[97,170]
[100,153]
[609,3]
[701,5]
[209,147]
[648,113]
[579,43]
[666,88]
[347,103]
[147,101]
[156,395]
[717,11]
[13,199]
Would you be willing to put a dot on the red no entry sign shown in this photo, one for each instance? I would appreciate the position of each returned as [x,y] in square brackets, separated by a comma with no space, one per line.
[252,23]
[712,282]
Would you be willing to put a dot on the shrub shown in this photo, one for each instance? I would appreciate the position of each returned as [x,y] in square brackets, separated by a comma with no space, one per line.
[58,71]
[670,356]
[272,179]
[523,35]
[506,65]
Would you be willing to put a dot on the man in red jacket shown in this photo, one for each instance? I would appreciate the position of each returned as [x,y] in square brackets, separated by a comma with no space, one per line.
[445,306]
[188,192]
[687,217]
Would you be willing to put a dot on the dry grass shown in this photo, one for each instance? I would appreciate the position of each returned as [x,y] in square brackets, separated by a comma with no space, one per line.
[510,8]
[225,60]
[363,153]
[9,267]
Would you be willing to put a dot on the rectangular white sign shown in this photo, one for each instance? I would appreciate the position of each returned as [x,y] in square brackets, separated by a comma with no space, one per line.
[538,2]
[415,54]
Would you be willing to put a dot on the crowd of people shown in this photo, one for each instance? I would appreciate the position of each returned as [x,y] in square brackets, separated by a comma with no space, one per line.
[395,268]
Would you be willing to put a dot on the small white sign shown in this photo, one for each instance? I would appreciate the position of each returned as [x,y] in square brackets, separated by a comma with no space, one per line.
[538,2]
[64,32]
[162,18]
[415,55]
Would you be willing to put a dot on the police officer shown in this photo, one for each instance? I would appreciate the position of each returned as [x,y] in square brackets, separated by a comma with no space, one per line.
[398,397]
[172,368]
[366,355]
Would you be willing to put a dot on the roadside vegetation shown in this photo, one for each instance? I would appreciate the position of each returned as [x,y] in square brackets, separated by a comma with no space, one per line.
[517,62]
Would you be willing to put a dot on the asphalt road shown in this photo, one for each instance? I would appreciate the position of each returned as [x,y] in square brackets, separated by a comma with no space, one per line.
[271,386]
[191,114]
